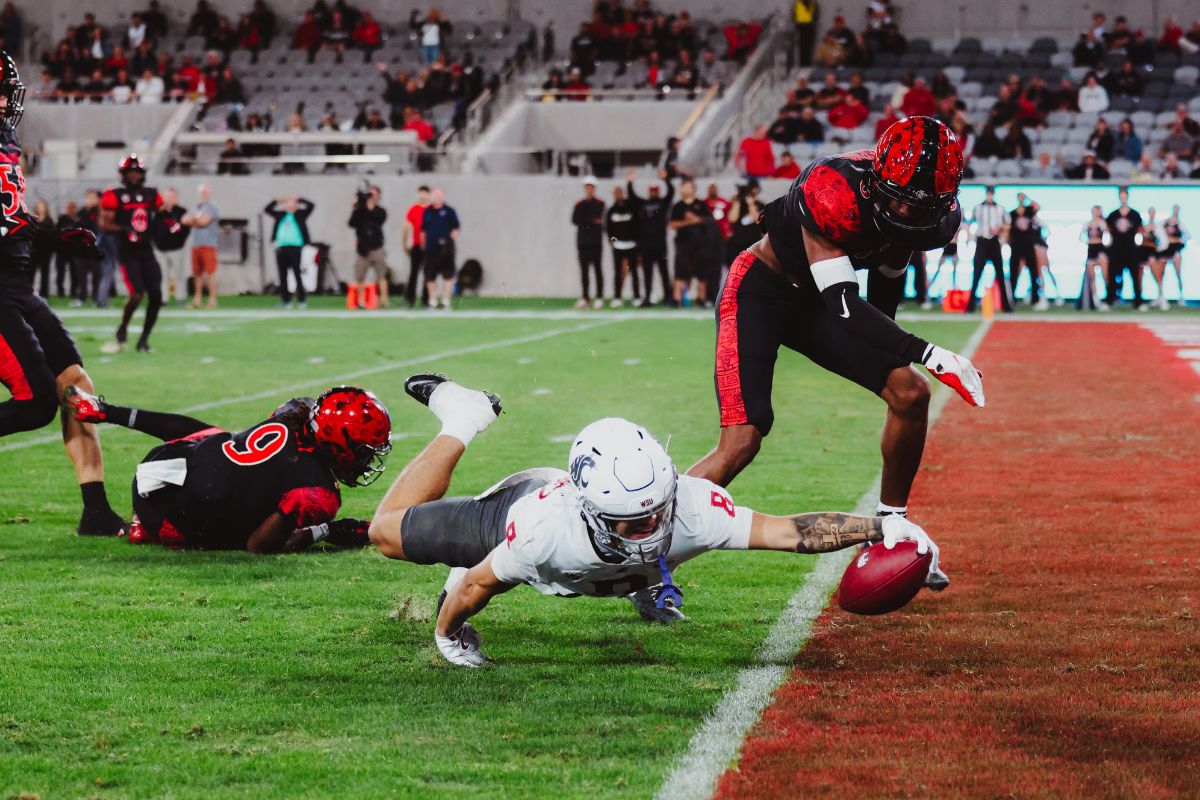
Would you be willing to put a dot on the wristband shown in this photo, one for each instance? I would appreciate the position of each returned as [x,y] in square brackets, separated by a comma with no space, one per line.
[319,532]
[833,271]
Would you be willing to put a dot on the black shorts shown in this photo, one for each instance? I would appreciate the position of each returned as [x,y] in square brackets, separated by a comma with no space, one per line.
[1095,251]
[34,346]
[1171,249]
[1022,251]
[950,250]
[1148,253]
[689,261]
[461,531]
[141,271]
[759,310]
[439,261]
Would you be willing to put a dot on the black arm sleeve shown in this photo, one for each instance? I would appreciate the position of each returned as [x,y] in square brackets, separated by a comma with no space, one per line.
[859,318]
[629,190]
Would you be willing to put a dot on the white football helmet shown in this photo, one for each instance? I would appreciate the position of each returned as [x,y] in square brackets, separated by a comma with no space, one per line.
[626,486]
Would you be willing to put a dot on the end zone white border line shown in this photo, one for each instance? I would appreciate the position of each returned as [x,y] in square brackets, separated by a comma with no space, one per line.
[718,741]
[334,380]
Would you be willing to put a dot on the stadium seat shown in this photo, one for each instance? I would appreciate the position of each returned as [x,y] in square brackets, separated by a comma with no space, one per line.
[922,46]
[983,167]
[1187,75]
[1120,169]
[1164,118]
[1142,119]
[1044,44]
[1008,168]
[1063,60]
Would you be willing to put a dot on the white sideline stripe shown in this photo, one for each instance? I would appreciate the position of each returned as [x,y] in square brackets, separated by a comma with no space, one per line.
[433,317]
[333,380]
[718,741]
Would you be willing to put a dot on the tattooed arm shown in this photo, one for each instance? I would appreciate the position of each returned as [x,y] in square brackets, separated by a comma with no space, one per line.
[819,532]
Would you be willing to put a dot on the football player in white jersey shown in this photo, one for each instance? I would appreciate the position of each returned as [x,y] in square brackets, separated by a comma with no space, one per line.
[618,523]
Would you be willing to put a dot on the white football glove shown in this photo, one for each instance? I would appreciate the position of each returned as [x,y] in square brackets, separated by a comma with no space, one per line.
[901,529]
[956,372]
[462,648]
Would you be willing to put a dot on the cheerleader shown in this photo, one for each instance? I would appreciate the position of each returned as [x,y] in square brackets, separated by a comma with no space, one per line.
[1148,254]
[1177,238]
[1093,233]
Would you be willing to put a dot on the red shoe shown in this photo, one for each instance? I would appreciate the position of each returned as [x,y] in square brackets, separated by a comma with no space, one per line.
[138,534]
[81,405]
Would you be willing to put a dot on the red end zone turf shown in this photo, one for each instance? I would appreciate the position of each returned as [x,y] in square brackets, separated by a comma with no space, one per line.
[1064,660]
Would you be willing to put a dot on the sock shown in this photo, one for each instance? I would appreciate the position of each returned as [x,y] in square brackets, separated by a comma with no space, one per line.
[462,429]
[884,510]
[94,496]
[451,404]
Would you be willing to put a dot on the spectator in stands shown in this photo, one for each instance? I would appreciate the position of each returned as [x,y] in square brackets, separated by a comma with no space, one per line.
[987,144]
[1005,109]
[223,38]
[889,118]
[1171,171]
[1125,81]
[229,160]
[918,101]
[685,77]
[414,121]
[337,36]
[1088,51]
[296,123]
[156,21]
[68,86]
[1178,142]
[368,35]
[1172,36]
[1046,168]
[96,88]
[308,35]
[1015,144]
[890,40]
[1127,144]
[1190,126]
[804,17]
[829,52]
[740,39]
[801,96]
[229,88]
[290,234]
[576,87]
[1099,27]
[136,33]
[1101,141]
[249,37]
[431,30]
[122,88]
[830,93]
[1063,98]
[809,129]
[1088,170]
[785,129]
[1120,36]
[858,88]
[1092,98]
[143,58]
[788,169]
[116,62]
[1032,103]
[941,85]
[203,20]
[848,114]
[11,29]
[755,158]
[370,120]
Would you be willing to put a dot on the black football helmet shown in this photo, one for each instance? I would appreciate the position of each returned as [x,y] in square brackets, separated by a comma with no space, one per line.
[12,88]
[131,163]
[918,164]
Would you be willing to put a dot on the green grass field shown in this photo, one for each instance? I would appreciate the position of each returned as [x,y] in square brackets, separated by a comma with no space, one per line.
[141,672]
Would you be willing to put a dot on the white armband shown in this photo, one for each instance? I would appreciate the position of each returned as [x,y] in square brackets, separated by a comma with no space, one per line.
[833,271]
[319,532]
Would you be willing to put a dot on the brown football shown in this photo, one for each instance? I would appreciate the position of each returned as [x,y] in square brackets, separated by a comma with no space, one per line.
[879,581]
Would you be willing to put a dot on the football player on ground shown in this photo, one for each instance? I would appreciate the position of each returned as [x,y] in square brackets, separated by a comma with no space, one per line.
[619,523]
[128,212]
[271,488]
[796,288]
[38,358]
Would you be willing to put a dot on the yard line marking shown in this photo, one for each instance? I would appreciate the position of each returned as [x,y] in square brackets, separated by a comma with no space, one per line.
[334,380]
[716,744]
[299,317]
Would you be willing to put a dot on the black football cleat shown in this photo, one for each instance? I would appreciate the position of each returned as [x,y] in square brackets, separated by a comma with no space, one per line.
[144,347]
[645,602]
[101,522]
[420,388]
[937,581]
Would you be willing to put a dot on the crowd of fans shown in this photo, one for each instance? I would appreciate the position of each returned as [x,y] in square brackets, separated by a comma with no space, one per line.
[653,49]
[836,111]
[137,64]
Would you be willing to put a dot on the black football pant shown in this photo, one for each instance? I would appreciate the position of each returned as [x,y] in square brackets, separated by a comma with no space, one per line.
[416,264]
[626,261]
[35,349]
[589,259]
[989,250]
[656,256]
[1023,257]
[159,424]
[143,277]
[920,278]
[1118,262]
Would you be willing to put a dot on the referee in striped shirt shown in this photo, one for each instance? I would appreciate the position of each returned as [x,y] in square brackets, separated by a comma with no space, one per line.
[989,219]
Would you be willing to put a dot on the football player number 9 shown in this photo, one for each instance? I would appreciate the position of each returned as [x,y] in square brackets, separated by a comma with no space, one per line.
[263,442]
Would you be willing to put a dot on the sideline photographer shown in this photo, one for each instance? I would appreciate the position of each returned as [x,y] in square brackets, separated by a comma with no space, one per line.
[367,220]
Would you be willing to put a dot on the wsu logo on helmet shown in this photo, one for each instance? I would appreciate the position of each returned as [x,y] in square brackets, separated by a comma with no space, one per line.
[581,463]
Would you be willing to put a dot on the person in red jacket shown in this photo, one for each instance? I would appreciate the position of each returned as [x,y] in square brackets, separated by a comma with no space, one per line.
[755,158]
[850,113]
[788,169]
[918,101]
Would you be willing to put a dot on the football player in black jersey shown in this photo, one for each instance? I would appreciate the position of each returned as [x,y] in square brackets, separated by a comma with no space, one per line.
[796,287]
[271,488]
[38,359]
[128,212]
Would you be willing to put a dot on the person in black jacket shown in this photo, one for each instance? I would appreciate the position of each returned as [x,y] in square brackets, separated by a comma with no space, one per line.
[652,244]
[368,219]
[290,234]
[623,225]
[588,217]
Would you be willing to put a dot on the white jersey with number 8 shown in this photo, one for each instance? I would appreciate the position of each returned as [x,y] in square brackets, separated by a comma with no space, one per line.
[547,544]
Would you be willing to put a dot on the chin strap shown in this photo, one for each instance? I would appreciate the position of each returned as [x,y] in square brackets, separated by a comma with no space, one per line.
[668,591]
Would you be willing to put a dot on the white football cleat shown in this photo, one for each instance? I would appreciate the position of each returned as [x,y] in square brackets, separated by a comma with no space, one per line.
[598,303]
[109,348]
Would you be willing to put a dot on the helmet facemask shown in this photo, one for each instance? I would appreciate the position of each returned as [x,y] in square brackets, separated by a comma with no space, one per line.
[918,215]
[636,539]
[12,88]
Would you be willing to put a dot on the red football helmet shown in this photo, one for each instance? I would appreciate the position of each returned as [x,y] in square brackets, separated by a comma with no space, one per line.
[12,88]
[917,168]
[131,163]
[352,427]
